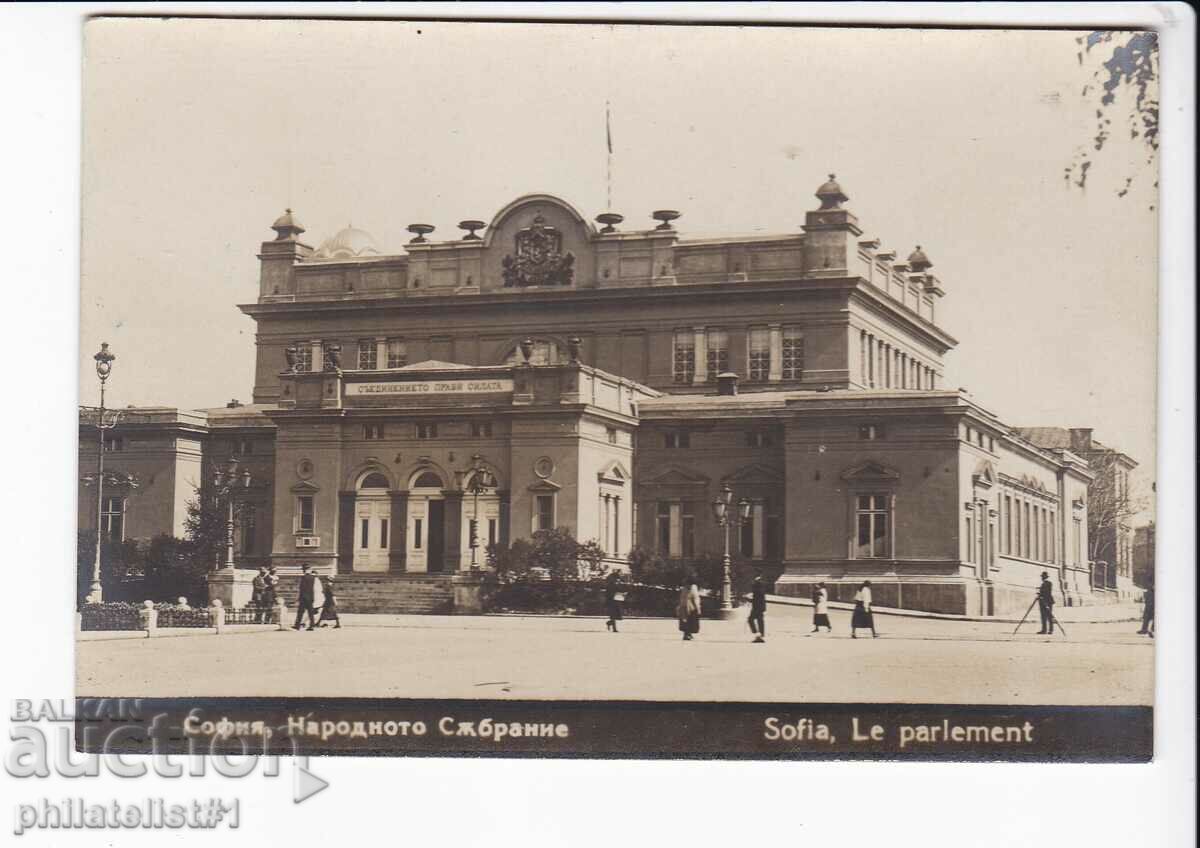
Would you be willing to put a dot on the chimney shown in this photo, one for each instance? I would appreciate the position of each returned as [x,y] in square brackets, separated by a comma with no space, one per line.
[233,404]
[1081,438]
[727,383]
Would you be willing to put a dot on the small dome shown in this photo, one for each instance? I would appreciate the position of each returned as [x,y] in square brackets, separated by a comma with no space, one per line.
[350,243]
[918,261]
[831,195]
[286,226]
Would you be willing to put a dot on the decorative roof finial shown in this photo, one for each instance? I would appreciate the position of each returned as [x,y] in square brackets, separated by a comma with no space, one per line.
[286,227]
[831,195]
[918,261]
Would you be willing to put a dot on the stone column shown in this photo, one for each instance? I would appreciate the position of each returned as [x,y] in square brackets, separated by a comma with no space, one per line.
[700,343]
[775,374]
[453,531]
[398,538]
[345,532]
[504,518]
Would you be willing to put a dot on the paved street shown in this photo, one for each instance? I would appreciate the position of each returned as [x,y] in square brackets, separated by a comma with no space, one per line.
[914,660]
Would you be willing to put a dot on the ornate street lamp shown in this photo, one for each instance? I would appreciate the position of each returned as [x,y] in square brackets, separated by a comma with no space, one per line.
[104,360]
[721,507]
[227,481]
[481,480]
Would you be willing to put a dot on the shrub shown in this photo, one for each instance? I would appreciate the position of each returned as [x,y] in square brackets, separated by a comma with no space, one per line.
[552,555]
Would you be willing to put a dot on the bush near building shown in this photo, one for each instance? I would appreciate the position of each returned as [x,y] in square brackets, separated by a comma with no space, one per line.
[162,569]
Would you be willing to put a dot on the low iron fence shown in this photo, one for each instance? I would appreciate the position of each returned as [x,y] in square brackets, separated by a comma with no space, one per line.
[151,617]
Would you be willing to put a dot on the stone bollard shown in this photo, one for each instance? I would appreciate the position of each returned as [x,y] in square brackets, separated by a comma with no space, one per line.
[149,617]
[281,608]
[218,615]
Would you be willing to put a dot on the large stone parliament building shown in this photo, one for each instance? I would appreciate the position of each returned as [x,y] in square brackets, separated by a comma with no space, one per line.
[541,371]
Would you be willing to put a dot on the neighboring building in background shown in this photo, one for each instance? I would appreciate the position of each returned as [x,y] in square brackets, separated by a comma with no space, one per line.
[1112,506]
[612,383]
[1144,543]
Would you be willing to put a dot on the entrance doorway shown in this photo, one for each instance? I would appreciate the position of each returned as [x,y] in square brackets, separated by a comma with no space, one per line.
[372,523]
[426,523]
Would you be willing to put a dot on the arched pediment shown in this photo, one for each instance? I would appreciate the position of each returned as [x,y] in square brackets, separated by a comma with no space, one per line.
[870,471]
[535,204]
[371,465]
[984,474]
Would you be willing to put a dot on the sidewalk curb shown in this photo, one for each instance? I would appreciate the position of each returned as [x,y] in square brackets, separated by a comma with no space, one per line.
[783,600]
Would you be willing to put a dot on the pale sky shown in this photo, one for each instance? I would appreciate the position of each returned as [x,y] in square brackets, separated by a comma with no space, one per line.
[197,134]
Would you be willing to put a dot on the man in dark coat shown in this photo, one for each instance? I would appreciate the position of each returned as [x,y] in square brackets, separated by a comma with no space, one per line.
[304,603]
[260,587]
[1148,612]
[1045,600]
[758,609]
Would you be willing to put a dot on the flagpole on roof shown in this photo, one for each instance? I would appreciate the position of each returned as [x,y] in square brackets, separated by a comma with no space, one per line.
[608,142]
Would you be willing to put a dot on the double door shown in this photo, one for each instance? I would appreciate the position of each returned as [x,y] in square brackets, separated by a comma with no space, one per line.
[372,532]
[426,534]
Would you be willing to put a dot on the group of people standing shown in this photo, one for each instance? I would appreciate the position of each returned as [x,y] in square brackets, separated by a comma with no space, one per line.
[687,610]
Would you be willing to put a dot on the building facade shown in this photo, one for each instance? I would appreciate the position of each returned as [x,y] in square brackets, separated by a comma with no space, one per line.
[612,382]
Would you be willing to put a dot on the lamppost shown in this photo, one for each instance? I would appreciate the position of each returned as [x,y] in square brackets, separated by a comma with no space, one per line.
[104,360]
[481,480]
[720,507]
[226,481]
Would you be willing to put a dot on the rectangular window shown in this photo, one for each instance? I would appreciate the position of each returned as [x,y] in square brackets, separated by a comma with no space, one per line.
[114,444]
[491,531]
[663,528]
[687,529]
[716,353]
[303,356]
[365,524]
[684,358]
[383,532]
[244,447]
[305,515]
[544,517]
[248,518]
[758,439]
[746,536]
[1027,542]
[481,429]
[372,431]
[969,538]
[871,521]
[793,353]
[870,432]
[611,433]
[112,521]
[1078,542]
[1008,525]
[427,431]
[397,353]
[418,535]
[677,439]
[760,354]
[367,359]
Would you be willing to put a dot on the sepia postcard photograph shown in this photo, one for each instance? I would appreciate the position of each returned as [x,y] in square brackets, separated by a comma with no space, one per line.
[618,390]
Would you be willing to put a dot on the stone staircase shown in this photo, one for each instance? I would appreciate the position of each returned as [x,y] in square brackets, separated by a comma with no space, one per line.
[411,594]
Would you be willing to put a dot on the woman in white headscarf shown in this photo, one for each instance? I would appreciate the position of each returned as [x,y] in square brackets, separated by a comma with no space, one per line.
[820,598]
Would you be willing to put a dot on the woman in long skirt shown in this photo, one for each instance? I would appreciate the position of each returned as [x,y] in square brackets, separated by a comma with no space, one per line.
[688,610]
[862,616]
[612,602]
[329,610]
[820,598]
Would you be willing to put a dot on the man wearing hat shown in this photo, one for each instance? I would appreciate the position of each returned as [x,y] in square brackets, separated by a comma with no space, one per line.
[1045,599]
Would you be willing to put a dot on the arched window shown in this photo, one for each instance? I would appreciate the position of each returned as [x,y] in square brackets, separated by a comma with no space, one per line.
[374,480]
[427,480]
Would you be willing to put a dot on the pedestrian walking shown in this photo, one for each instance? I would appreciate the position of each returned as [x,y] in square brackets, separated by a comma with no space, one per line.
[613,597]
[688,610]
[307,595]
[863,616]
[270,596]
[258,590]
[329,611]
[820,599]
[1045,602]
[1148,612]
[758,608]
